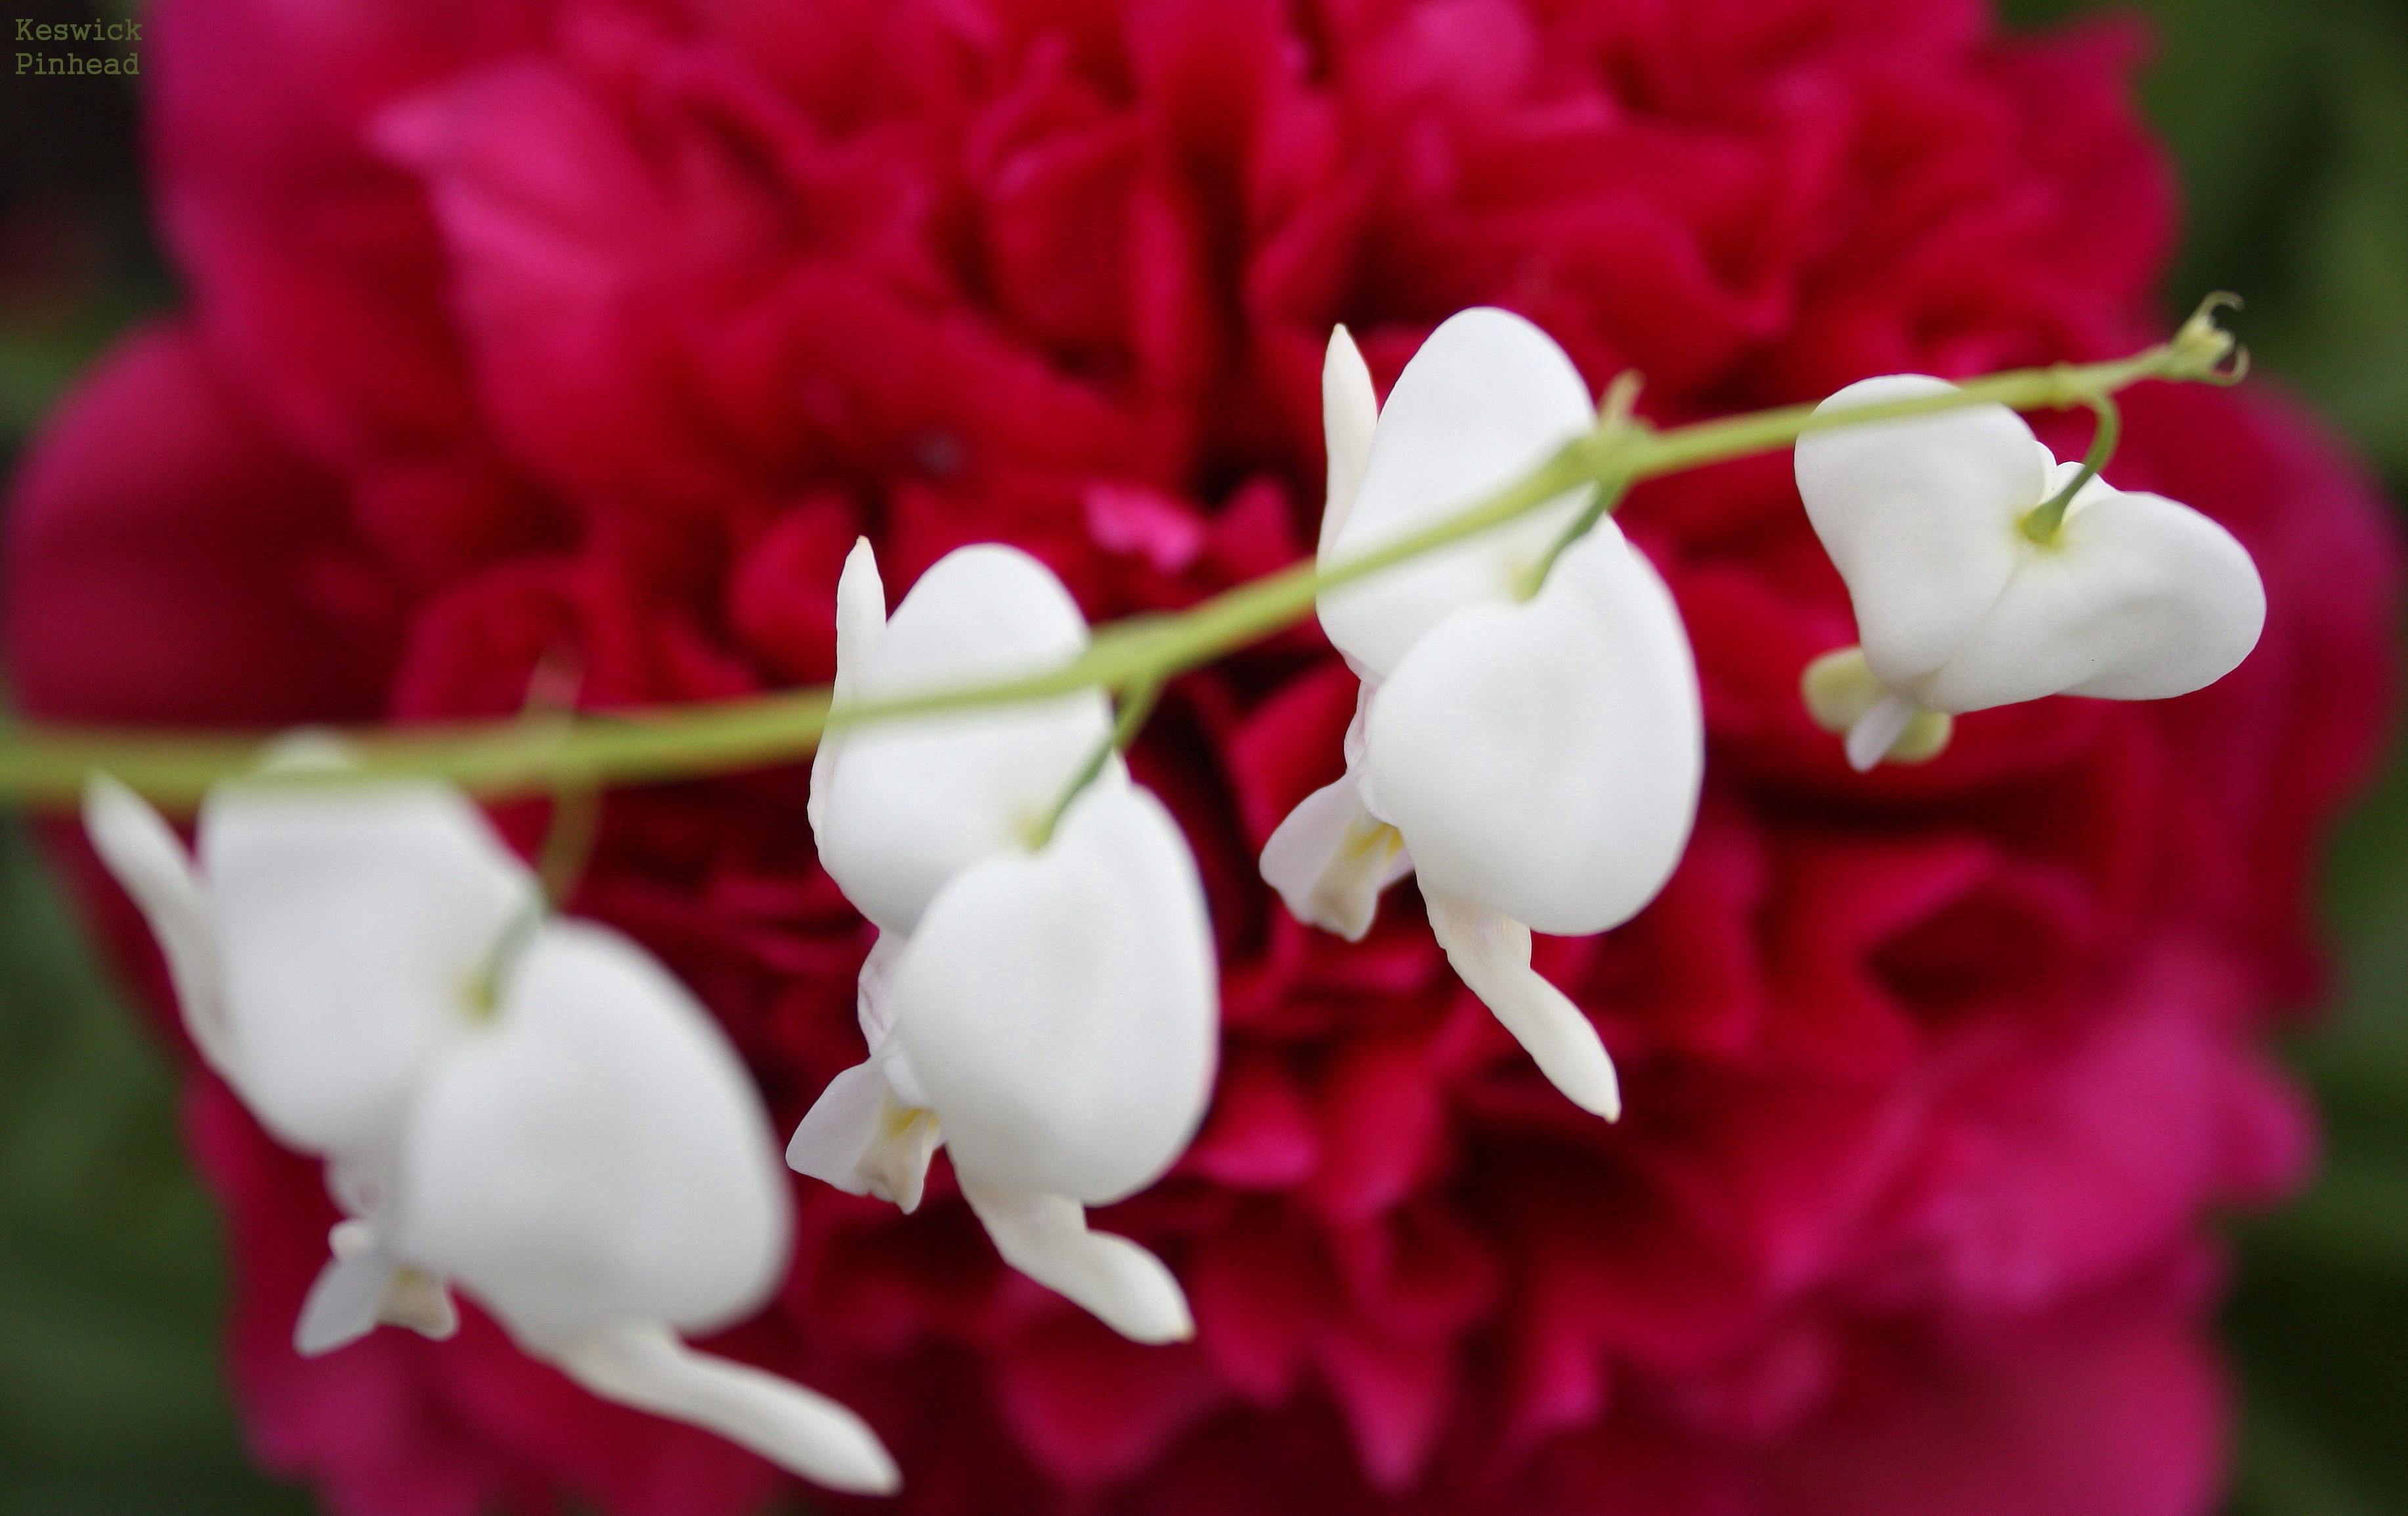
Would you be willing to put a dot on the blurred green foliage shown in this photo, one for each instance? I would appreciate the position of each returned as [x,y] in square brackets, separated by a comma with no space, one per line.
[2290,121]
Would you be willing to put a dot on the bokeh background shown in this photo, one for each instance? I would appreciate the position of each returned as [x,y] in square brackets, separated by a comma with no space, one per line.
[2289,120]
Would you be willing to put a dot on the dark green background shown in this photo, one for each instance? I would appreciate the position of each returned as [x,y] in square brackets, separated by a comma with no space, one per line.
[2291,120]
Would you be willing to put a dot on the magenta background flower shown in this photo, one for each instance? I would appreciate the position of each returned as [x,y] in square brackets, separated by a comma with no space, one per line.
[603,328]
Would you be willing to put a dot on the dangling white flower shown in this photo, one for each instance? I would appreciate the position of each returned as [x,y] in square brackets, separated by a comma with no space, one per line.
[528,1106]
[2135,597]
[1536,761]
[1044,1006]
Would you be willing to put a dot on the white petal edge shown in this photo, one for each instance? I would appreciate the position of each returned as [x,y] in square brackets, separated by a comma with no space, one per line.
[1492,955]
[644,1365]
[1350,409]
[364,1286]
[148,859]
[1331,859]
[1489,398]
[1922,517]
[347,1300]
[860,1138]
[860,619]
[1046,1237]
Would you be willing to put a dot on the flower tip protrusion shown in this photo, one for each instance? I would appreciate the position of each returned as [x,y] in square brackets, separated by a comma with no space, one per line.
[644,1365]
[1491,953]
[1350,410]
[1847,699]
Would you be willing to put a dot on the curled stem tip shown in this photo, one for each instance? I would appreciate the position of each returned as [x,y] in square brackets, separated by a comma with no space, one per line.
[2203,350]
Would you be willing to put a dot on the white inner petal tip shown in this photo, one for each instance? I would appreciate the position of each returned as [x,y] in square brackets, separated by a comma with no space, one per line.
[345,1302]
[1492,955]
[1877,729]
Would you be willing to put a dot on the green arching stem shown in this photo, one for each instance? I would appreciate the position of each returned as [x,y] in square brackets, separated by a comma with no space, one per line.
[1137,704]
[1601,503]
[512,757]
[1615,415]
[567,840]
[2041,523]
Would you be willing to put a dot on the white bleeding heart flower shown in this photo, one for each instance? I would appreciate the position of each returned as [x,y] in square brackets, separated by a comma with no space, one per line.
[1536,761]
[2136,597]
[1041,1005]
[528,1106]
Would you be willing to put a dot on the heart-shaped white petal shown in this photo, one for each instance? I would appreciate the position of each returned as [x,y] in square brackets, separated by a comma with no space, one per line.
[1489,398]
[906,805]
[595,1153]
[1922,518]
[2138,598]
[1058,1008]
[353,922]
[1542,760]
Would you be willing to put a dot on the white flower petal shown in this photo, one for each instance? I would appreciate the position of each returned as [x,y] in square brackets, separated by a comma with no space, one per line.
[1331,859]
[642,1363]
[860,1138]
[1922,518]
[419,1301]
[1059,1008]
[148,859]
[907,803]
[860,621]
[364,1285]
[1489,398]
[351,923]
[1491,953]
[871,1007]
[1349,409]
[346,1302]
[595,1153]
[1045,1236]
[2138,598]
[1542,760]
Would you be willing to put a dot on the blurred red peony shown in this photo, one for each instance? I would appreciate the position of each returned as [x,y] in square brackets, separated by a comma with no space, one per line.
[603,328]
